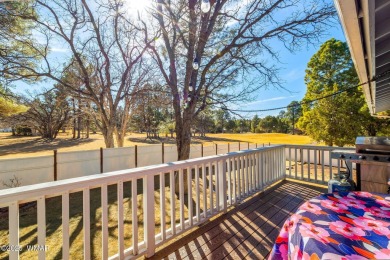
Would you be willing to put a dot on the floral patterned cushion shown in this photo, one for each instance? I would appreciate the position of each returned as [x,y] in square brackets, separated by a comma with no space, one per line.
[345,226]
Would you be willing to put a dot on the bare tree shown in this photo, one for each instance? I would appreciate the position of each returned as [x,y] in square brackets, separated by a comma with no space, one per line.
[97,33]
[48,113]
[211,52]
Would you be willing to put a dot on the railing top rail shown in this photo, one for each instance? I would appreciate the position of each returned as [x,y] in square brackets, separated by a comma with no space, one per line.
[52,189]
[319,147]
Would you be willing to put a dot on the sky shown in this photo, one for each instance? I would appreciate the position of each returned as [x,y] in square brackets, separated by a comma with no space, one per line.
[292,72]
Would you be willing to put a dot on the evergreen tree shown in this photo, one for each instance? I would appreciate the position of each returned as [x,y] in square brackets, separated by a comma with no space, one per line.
[339,118]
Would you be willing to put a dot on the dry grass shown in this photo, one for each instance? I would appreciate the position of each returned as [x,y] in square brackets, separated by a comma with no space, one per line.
[19,147]
[273,138]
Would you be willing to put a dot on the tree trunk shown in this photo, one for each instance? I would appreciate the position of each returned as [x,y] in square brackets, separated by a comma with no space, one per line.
[120,137]
[74,118]
[78,127]
[108,134]
[87,125]
[183,141]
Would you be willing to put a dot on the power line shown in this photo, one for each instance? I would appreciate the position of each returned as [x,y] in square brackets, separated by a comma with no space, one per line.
[317,99]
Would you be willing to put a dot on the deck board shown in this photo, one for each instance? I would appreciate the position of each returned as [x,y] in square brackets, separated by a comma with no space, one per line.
[248,231]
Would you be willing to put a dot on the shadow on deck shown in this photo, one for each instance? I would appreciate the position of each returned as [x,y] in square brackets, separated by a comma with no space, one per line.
[248,231]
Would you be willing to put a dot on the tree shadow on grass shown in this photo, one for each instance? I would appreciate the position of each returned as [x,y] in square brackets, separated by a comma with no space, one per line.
[41,144]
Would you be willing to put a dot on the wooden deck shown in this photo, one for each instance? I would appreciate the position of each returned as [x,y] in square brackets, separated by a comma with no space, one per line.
[246,232]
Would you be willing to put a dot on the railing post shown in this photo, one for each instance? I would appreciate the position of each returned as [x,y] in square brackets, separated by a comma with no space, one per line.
[222,185]
[149,232]
[216,149]
[201,149]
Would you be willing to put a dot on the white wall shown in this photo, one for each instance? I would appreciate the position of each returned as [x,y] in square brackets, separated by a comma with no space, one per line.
[28,170]
[118,158]
[149,155]
[170,153]
[196,151]
[77,164]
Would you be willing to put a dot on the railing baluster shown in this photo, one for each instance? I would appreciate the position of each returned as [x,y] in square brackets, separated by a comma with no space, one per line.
[289,162]
[268,164]
[244,176]
[315,165]
[239,166]
[296,163]
[252,175]
[261,165]
[265,168]
[204,178]
[173,204]
[162,206]
[256,170]
[229,175]
[248,173]
[322,165]
[181,196]
[211,188]
[134,215]
[104,203]
[13,220]
[308,165]
[222,186]
[217,185]
[234,179]
[197,193]
[301,159]
[258,166]
[330,166]
[41,208]
[65,225]
[276,163]
[149,220]
[86,224]
[247,181]
[190,212]
[121,244]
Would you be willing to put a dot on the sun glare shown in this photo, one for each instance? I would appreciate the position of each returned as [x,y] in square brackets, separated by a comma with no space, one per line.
[138,6]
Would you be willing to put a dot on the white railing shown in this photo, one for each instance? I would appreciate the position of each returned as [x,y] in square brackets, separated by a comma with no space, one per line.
[162,200]
[313,163]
